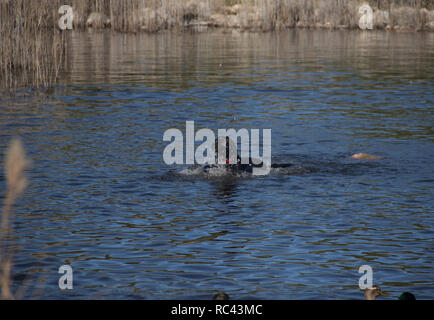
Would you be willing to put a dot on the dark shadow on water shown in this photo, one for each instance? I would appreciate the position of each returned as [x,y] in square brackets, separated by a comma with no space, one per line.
[226,189]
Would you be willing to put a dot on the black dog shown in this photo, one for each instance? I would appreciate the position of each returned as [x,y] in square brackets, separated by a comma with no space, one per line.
[235,165]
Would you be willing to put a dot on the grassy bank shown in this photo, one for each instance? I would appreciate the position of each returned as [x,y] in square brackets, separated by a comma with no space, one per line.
[33,49]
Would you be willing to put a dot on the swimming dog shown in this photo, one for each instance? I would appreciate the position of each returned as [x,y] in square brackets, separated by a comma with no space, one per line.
[227,158]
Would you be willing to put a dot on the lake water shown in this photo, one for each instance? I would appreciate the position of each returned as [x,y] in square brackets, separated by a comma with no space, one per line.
[102,200]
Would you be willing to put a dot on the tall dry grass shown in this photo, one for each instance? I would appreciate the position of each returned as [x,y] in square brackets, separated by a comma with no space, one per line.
[33,49]
[16,181]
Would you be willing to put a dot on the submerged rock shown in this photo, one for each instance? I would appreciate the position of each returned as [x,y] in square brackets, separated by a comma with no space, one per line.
[366,156]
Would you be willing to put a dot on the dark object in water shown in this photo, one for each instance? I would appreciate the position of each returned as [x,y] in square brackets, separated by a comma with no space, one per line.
[221,296]
[407,296]
[236,166]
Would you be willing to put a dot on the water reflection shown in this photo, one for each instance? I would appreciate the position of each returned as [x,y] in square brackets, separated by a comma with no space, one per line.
[174,61]
[226,190]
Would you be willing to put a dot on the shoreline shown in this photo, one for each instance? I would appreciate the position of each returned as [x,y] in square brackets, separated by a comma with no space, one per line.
[261,16]
[34,40]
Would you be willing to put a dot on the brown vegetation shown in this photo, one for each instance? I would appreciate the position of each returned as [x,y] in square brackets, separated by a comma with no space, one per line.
[33,49]
[31,45]
[258,15]
[16,182]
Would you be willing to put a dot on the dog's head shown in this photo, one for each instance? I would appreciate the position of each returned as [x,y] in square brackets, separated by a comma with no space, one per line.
[225,151]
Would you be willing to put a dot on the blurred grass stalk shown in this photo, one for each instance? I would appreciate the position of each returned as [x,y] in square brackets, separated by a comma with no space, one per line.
[16,181]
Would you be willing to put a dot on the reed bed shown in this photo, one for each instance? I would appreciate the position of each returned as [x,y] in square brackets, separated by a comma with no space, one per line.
[33,49]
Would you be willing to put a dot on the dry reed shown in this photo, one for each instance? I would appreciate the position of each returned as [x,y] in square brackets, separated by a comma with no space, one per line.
[31,47]
[16,181]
